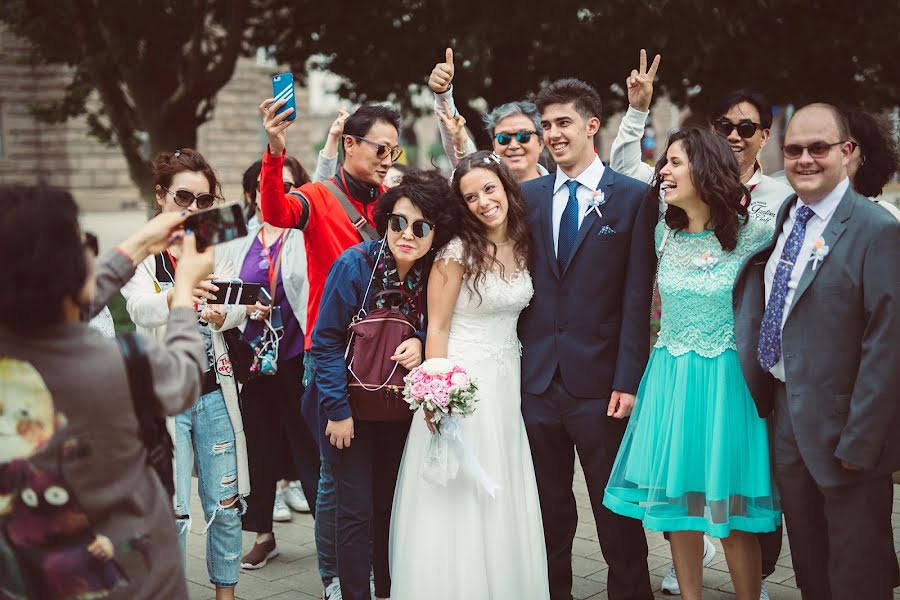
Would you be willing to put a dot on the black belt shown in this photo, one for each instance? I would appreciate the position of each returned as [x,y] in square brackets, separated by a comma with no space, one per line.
[209,383]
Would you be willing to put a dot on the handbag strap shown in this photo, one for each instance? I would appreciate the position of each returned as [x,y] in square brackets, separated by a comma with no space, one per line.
[275,270]
[661,250]
[140,383]
[362,307]
[359,222]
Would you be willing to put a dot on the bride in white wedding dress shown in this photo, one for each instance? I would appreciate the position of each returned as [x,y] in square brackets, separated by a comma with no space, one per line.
[458,541]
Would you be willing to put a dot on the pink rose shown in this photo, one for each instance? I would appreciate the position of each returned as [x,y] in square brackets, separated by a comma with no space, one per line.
[419,390]
[441,398]
[418,376]
[460,380]
[437,385]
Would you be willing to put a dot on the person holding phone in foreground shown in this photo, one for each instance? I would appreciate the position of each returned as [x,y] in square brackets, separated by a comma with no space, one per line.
[71,461]
[211,430]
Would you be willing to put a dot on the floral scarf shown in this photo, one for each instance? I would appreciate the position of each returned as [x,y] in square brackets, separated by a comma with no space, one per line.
[386,273]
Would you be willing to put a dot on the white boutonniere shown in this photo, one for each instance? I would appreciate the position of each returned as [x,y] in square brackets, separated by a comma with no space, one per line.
[597,200]
[819,252]
[706,262]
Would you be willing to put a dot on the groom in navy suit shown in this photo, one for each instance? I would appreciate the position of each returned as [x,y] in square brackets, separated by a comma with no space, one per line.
[586,333]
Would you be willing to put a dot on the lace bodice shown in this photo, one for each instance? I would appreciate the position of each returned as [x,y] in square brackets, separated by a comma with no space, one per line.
[696,278]
[484,328]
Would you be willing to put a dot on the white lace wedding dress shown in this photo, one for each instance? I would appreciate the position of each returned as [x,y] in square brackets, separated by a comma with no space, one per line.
[457,541]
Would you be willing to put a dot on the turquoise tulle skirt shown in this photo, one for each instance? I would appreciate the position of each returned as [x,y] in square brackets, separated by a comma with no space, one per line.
[696,454]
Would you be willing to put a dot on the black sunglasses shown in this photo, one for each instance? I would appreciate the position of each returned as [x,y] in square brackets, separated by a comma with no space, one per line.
[288,186]
[184,198]
[91,243]
[745,128]
[420,228]
[382,150]
[523,137]
[816,149]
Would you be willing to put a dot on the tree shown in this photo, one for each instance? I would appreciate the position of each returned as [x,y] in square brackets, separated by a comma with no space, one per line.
[791,50]
[156,66]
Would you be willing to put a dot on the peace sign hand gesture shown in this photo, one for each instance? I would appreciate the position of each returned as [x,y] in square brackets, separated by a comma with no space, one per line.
[442,74]
[456,125]
[640,83]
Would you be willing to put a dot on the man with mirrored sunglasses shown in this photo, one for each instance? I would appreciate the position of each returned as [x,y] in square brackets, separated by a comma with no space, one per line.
[334,215]
[515,127]
[742,117]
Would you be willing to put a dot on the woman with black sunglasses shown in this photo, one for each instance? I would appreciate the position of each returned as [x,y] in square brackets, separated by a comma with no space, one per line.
[209,436]
[365,455]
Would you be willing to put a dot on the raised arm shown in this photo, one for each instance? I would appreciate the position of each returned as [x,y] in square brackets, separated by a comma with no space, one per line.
[279,209]
[326,165]
[625,155]
[456,142]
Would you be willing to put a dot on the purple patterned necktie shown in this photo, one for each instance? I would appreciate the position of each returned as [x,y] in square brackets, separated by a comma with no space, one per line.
[769,350]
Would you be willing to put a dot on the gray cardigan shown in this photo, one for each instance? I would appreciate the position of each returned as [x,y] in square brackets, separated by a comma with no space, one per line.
[72,381]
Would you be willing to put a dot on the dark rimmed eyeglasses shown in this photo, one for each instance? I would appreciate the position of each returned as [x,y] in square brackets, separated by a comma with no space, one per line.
[288,186]
[184,198]
[523,137]
[382,150]
[816,149]
[745,127]
[420,227]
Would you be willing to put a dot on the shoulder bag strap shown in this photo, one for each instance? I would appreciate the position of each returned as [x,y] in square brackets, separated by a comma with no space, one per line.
[361,313]
[366,231]
[276,269]
[140,383]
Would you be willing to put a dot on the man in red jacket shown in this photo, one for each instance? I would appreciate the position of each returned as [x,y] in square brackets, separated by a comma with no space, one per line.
[333,215]
[370,142]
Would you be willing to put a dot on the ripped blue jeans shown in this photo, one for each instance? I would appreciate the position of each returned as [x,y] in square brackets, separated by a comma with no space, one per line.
[204,439]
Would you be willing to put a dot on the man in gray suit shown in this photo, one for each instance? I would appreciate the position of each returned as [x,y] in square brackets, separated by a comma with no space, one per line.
[816,317]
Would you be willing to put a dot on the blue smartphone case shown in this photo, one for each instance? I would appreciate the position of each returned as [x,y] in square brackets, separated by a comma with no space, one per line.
[283,88]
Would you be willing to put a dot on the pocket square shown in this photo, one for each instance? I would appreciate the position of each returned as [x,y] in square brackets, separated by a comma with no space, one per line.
[606,230]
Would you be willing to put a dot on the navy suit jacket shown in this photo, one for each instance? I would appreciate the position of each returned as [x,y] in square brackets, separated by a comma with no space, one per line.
[592,317]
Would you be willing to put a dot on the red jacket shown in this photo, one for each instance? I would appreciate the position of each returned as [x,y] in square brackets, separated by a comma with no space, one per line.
[327,230]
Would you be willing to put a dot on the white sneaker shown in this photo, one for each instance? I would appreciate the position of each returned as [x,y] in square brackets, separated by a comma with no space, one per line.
[670,581]
[294,498]
[333,591]
[709,551]
[764,591]
[280,511]
[670,584]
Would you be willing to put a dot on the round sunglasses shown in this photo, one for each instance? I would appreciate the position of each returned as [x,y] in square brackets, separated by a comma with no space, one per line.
[523,137]
[184,198]
[745,128]
[382,150]
[420,227]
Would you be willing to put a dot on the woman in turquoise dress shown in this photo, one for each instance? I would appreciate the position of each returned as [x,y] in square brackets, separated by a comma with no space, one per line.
[695,458]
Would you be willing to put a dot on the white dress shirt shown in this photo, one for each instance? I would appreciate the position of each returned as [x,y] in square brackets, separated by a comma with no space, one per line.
[588,180]
[823,210]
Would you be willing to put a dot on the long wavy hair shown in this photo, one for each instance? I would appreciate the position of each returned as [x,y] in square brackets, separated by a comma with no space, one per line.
[717,178]
[480,253]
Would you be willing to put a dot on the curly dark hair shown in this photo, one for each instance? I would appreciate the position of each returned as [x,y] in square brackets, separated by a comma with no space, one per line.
[43,256]
[879,157]
[168,164]
[480,253]
[715,174]
[428,191]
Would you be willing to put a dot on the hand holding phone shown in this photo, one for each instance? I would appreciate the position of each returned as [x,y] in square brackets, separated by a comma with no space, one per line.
[216,225]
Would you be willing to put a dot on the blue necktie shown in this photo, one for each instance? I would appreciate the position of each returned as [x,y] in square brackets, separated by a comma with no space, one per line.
[568,226]
[769,350]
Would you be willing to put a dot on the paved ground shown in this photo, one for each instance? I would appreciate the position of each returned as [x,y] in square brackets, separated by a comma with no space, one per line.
[294,574]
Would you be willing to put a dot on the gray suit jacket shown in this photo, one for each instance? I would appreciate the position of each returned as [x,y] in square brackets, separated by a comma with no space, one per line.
[841,344]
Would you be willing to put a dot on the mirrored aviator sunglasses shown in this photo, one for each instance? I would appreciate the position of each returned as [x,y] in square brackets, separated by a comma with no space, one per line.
[184,198]
[745,129]
[420,228]
[523,137]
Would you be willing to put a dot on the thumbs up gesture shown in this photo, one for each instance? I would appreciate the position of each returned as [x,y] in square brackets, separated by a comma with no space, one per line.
[442,74]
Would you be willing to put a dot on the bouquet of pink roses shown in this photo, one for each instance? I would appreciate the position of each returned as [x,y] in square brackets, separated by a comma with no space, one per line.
[447,390]
[442,388]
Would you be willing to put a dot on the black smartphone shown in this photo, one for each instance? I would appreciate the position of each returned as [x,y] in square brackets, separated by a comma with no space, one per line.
[235,292]
[217,225]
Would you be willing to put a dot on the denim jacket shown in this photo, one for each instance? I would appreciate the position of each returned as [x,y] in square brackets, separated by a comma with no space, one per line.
[326,398]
